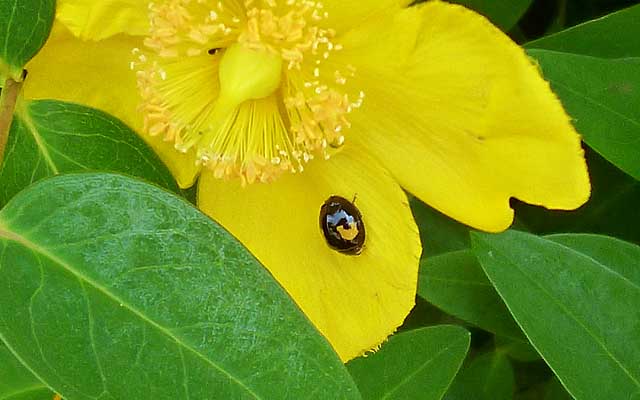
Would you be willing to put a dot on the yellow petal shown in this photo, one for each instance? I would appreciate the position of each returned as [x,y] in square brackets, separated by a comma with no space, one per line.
[97,74]
[96,20]
[345,14]
[461,116]
[355,301]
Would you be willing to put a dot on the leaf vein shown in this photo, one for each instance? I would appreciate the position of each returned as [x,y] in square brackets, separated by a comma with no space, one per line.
[574,317]
[410,376]
[92,339]
[34,388]
[597,103]
[185,377]
[40,143]
[9,25]
[43,251]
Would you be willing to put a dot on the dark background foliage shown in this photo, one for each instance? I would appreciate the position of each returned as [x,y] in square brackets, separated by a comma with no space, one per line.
[548,16]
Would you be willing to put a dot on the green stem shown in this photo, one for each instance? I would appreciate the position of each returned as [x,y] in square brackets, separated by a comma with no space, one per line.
[8,99]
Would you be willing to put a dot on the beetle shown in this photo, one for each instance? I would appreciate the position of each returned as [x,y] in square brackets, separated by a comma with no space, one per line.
[342,225]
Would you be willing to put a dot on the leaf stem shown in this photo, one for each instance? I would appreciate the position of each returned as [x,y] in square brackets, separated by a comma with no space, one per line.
[8,99]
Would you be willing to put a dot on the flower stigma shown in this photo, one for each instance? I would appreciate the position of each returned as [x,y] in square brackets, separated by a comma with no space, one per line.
[246,84]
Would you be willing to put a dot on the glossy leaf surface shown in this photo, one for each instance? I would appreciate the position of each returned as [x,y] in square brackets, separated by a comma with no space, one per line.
[417,364]
[603,97]
[52,137]
[612,36]
[576,297]
[118,290]
[455,283]
[24,27]
[18,383]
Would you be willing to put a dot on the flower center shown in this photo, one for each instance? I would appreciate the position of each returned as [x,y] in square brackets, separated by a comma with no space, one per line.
[247,74]
[248,85]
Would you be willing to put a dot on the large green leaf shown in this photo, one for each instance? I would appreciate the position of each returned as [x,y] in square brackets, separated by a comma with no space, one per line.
[51,137]
[417,364]
[114,289]
[18,383]
[505,14]
[621,257]
[613,36]
[577,298]
[603,97]
[24,27]
[488,377]
[455,283]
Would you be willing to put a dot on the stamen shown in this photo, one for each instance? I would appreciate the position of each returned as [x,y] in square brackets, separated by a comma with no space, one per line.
[249,124]
[253,143]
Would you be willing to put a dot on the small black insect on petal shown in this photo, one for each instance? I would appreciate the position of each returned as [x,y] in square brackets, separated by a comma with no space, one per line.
[342,225]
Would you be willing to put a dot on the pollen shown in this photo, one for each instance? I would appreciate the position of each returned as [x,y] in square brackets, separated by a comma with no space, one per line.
[247,86]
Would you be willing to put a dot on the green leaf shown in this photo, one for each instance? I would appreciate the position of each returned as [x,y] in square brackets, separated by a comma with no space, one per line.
[505,14]
[439,233]
[613,36]
[455,283]
[24,27]
[621,256]
[488,377]
[18,383]
[576,297]
[417,364]
[51,137]
[603,97]
[113,288]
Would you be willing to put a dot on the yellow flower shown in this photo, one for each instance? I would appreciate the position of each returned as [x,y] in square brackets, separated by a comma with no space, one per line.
[310,99]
